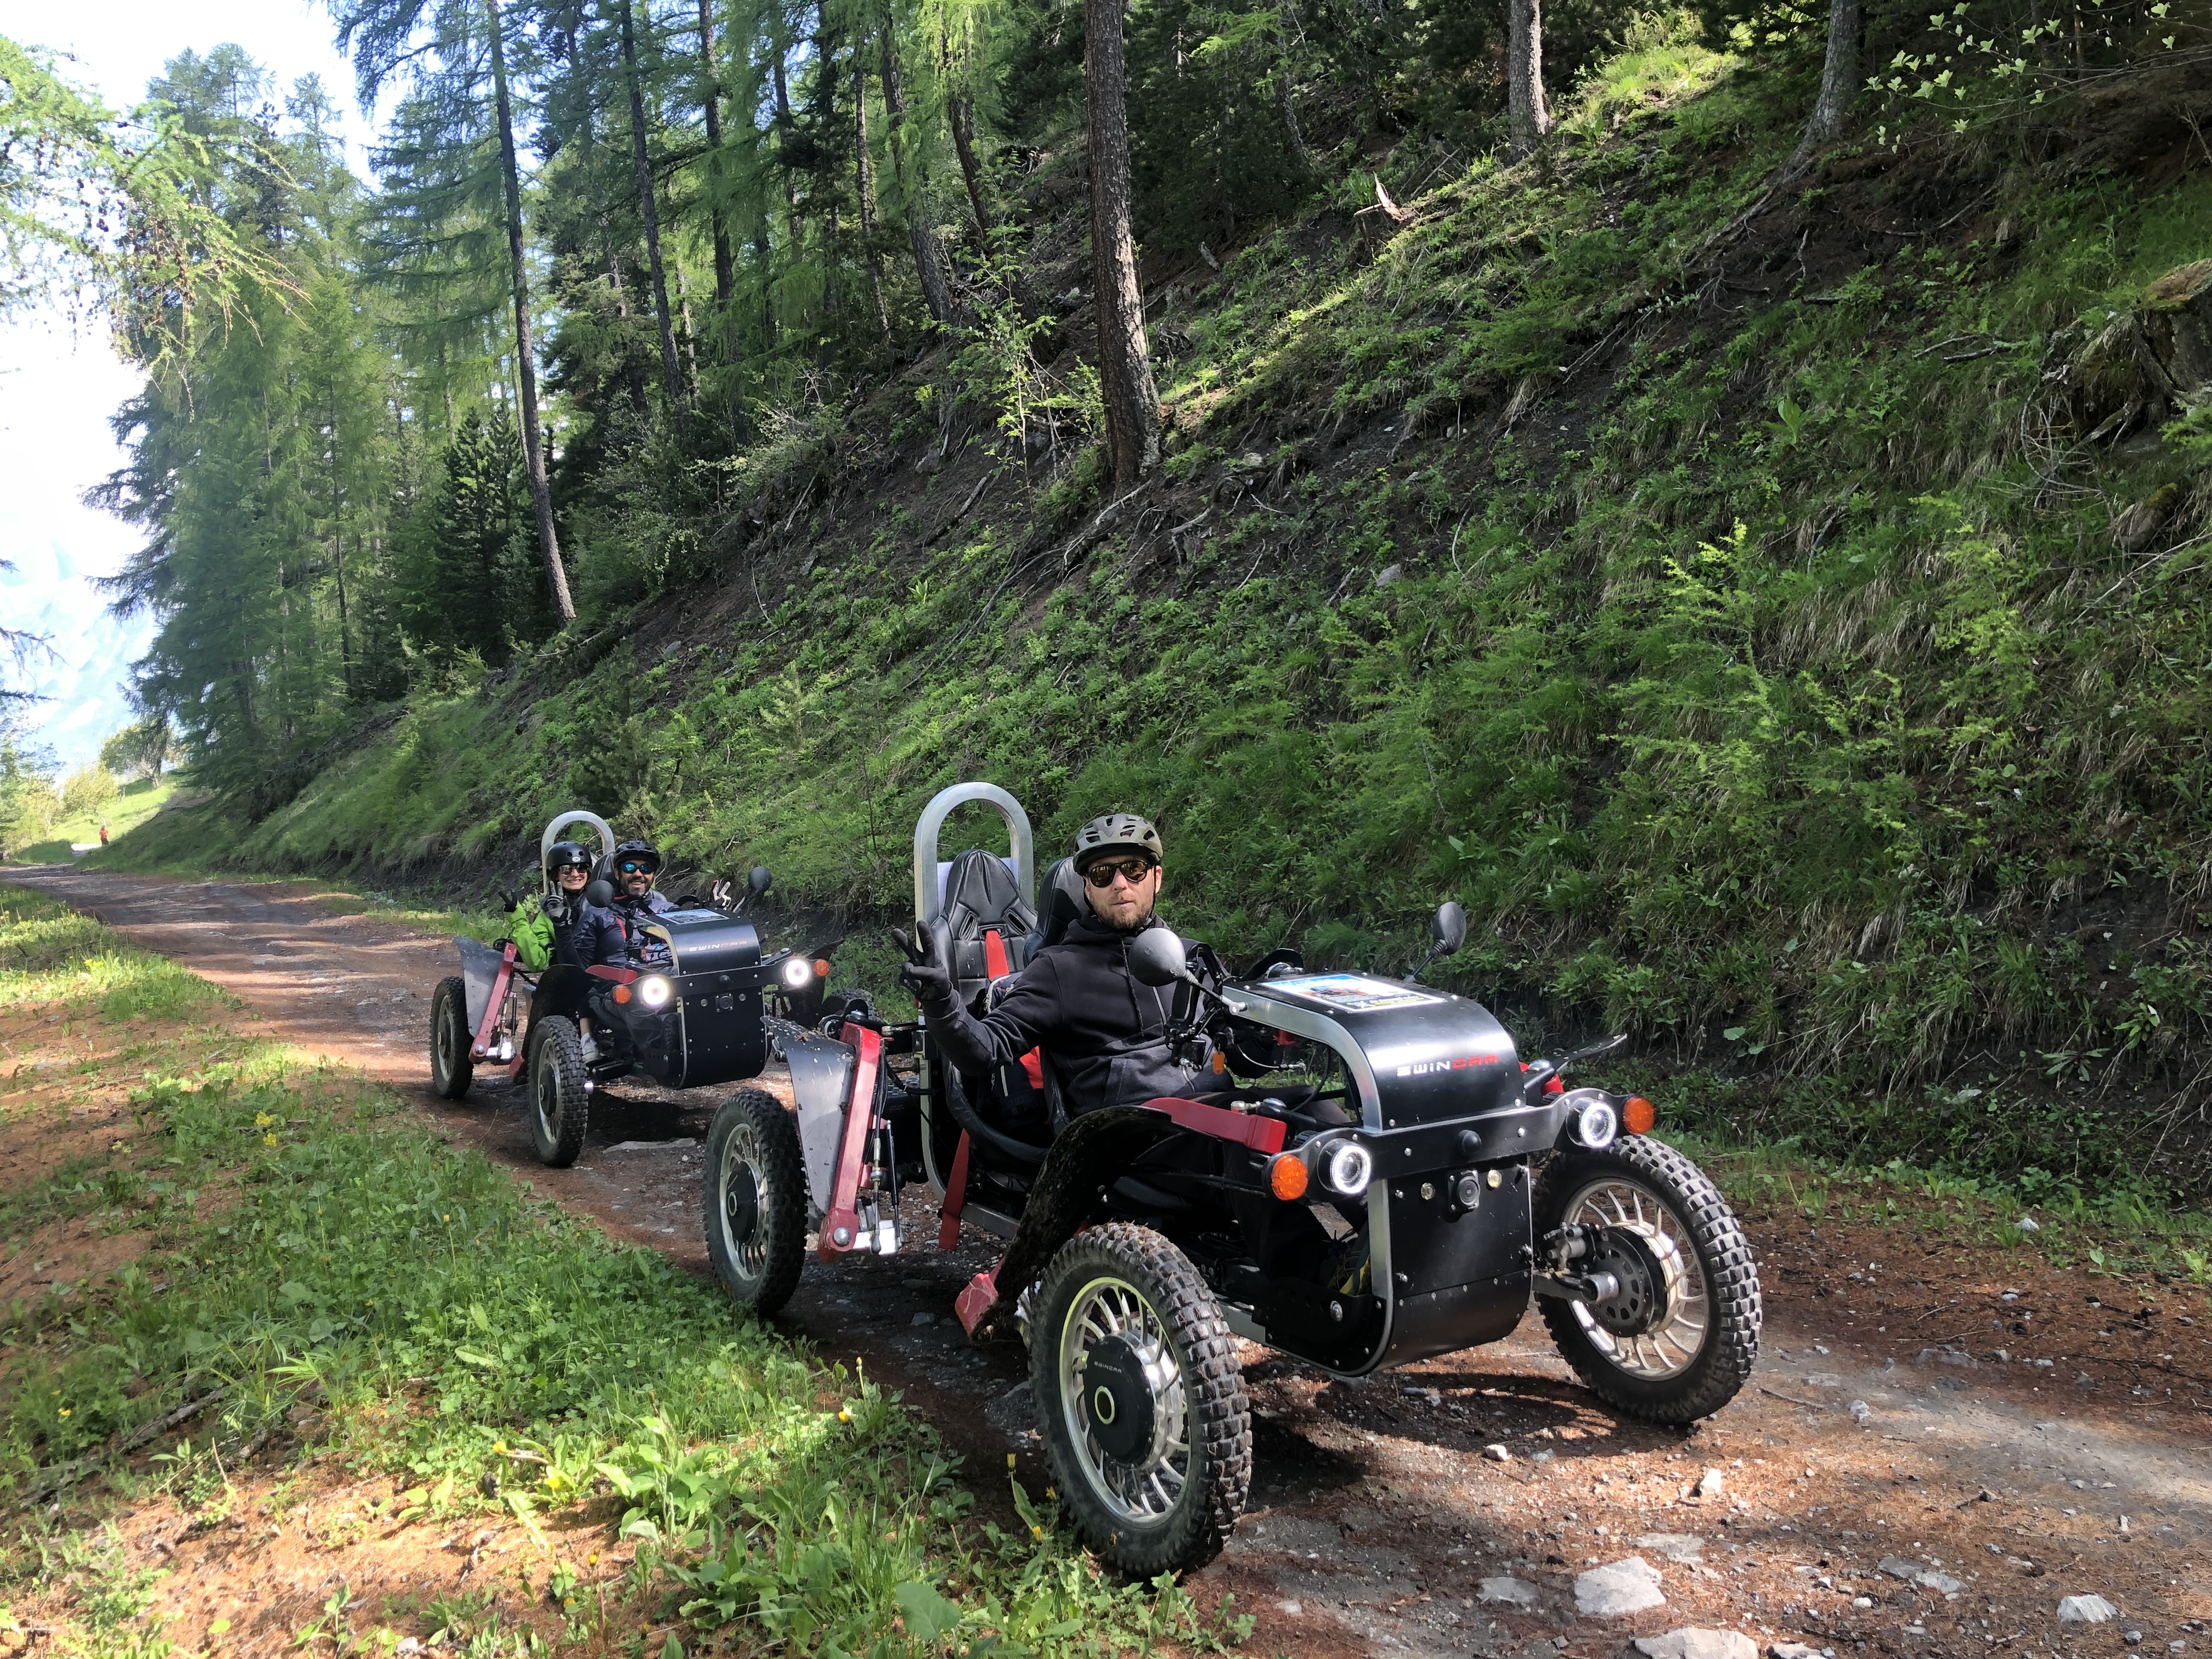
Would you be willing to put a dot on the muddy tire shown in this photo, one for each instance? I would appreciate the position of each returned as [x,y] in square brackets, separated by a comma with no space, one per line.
[1141,1400]
[560,1105]
[451,1068]
[1679,1340]
[755,1200]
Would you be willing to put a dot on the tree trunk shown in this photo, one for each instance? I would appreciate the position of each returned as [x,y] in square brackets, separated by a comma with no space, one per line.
[670,370]
[867,189]
[725,281]
[933,287]
[1840,80]
[1527,120]
[1125,371]
[526,357]
[337,545]
[1284,107]
[960,116]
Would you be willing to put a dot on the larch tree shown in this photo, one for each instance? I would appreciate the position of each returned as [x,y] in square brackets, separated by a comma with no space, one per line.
[1840,80]
[1527,120]
[1125,368]
[649,214]
[935,290]
[385,34]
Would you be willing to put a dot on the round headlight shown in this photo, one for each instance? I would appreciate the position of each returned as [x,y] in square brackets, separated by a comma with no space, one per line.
[797,972]
[1348,1169]
[1596,1125]
[655,993]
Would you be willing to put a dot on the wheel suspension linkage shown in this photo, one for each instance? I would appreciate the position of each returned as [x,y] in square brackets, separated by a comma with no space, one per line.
[1561,1248]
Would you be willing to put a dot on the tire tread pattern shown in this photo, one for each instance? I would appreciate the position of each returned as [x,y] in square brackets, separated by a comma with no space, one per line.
[777,1131]
[451,989]
[1219,1413]
[1732,1290]
[567,1144]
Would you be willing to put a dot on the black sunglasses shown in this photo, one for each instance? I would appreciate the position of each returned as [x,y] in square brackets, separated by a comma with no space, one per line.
[1133,871]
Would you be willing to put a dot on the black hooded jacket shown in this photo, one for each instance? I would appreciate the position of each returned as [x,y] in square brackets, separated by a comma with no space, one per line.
[584,935]
[1103,1034]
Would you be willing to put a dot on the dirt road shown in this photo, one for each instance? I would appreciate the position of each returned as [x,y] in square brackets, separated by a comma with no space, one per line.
[1938,1446]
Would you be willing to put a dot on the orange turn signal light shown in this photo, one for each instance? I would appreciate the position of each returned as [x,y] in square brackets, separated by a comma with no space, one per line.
[621,993]
[1286,1176]
[821,969]
[1637,1115]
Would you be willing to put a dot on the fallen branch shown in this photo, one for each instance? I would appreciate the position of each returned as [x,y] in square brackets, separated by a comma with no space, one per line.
[69,1474]
[1810,1405]
[974,496]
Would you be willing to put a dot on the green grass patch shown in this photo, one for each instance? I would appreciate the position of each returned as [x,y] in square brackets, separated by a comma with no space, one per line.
[500,1359]
[133,806]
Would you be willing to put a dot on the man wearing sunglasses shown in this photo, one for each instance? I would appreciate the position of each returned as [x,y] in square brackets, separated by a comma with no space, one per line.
[1103,1034]
[636,867]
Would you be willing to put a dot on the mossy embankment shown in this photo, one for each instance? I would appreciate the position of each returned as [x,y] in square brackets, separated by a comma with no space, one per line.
[1786,635]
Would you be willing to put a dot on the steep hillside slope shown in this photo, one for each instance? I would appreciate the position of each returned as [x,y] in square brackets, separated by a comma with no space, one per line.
[1786,633]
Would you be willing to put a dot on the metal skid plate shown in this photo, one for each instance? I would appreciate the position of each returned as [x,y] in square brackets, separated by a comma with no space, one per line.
[821,1077]
[480,966]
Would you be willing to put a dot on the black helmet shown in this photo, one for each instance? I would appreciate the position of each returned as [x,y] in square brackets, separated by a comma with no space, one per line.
[642,852]
[565,855]
[1117,832]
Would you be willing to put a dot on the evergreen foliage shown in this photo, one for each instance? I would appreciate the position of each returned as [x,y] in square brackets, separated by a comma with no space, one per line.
[1767,611]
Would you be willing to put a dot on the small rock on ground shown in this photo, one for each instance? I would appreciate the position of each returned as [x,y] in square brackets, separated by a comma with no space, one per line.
[1792,1651]
[1013,1414]
[1693,1643]
[1674,1546]
[2086,1610]
[1497,1453]
[1622,1587]
[1710,1484]
[1510,1591]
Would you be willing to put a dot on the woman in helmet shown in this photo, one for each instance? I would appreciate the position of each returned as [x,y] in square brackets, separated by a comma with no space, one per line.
[563,928]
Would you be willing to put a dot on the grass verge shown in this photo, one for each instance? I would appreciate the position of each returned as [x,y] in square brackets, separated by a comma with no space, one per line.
[321,1298]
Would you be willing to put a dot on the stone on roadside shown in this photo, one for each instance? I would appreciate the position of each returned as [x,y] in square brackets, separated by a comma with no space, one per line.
[2027,1224]
[1618,1588]
[1710,1484]
[1512,1591]
[2086,1610]
[1497,1453]
[1941,1582]
[1692,1644]
[1860,1412]
[1674,1546]
[1792,1651]
[1897,1567]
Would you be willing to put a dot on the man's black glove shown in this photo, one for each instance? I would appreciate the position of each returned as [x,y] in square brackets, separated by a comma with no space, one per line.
[927,978]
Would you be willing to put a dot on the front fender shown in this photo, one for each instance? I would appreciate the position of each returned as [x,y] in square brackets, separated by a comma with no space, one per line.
[1084,1160]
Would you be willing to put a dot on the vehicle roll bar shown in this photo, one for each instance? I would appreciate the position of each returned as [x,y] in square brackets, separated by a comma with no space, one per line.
[929,874]
[562,822]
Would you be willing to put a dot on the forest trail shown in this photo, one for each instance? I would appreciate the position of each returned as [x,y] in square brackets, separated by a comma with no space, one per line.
[1864,1451]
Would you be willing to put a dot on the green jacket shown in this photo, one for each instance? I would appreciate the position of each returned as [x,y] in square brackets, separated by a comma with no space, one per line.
[531,930]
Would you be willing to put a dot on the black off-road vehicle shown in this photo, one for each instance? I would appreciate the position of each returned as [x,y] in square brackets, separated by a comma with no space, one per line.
[1365,1173]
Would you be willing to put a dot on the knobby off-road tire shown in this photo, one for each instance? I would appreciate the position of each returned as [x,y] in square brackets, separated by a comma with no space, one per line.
[1141,1400]
[560,1105]
[1700,1351]
[756,1200]
[451,1068]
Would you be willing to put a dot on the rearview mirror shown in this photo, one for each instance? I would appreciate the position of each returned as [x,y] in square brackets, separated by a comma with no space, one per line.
[1156,958]
[600,893]
[1449,929]
[757,882]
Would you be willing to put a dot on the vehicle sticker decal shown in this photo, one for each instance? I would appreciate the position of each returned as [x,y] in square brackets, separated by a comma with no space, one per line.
[1353,994]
